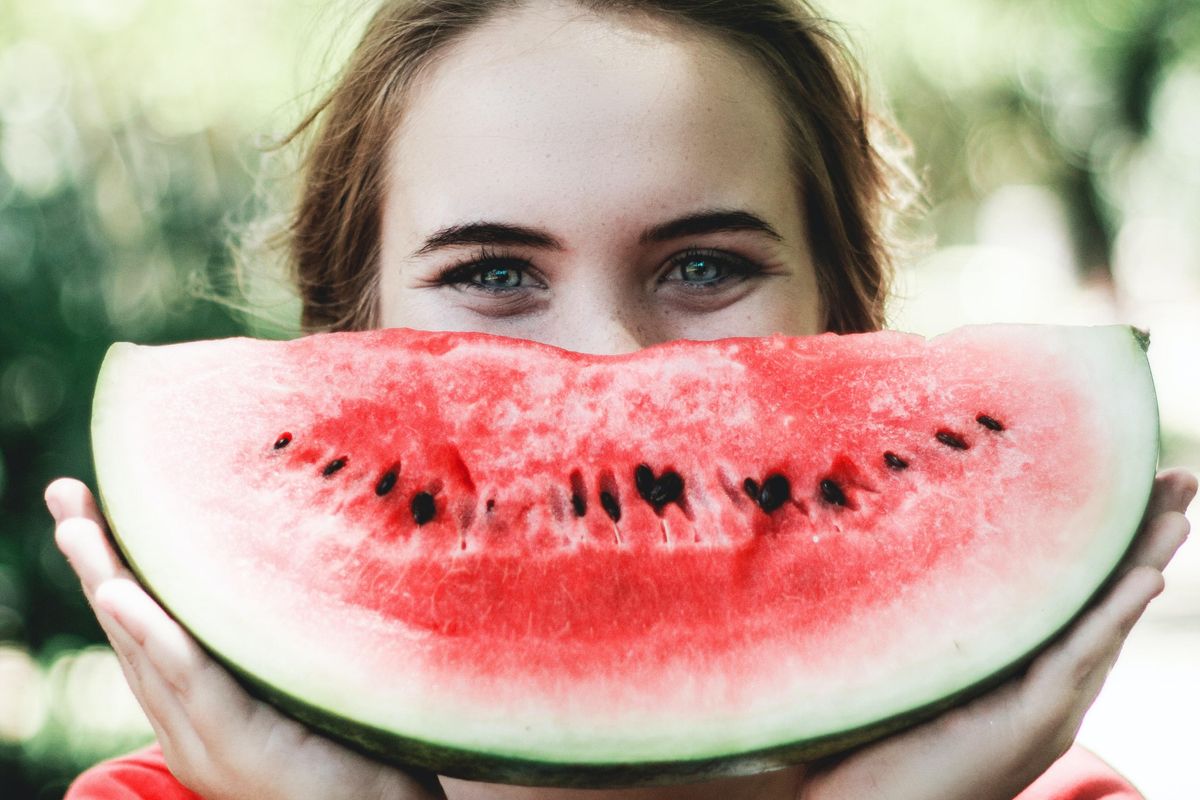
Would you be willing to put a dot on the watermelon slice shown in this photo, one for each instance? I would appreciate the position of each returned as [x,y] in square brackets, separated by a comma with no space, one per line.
[505,561]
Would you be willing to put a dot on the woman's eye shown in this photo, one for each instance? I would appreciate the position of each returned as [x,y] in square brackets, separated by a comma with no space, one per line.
[491,273]
[704,269]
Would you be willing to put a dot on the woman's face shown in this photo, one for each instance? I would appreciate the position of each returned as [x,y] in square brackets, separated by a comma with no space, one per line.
[596,183]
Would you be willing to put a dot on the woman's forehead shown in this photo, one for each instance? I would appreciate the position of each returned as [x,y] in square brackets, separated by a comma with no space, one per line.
[551,110]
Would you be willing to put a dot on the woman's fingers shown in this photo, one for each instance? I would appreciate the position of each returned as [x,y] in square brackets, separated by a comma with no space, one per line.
[213,733]
[1164,526]
[67,498]
[1080,660]
[170,676]
[1018,729]
[81,536]
[209,725]
[149,688]
[80,533]
[1173,490]
[1063,682]
[87,550]
[207,693]
[1005,738]
[187,698]
[1159,540]
[217,739]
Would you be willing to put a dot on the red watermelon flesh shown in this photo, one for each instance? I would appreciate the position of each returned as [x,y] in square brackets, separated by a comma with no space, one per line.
[505,560]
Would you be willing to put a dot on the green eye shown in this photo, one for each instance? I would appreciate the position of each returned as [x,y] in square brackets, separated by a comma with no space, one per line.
[500,278]
[700,270]
[712,271]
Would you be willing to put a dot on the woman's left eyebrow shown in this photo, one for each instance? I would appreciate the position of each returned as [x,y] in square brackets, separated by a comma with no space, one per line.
[711,221]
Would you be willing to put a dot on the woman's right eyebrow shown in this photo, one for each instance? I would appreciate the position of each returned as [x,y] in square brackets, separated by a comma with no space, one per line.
[477,233]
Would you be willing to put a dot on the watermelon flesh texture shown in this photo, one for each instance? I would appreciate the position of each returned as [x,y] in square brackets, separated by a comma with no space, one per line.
[505,561]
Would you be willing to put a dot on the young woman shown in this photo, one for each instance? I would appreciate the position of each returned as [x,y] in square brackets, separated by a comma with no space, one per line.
[600,176]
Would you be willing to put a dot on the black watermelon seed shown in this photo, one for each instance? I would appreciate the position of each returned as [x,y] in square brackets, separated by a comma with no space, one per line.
[578,493]
[951,440]
[657,491]
[776,490]
[832,492]
[750,487]
[643,479]
[610,506]
[579,504]
[283,441]
[422,507]
[669,489]
[386,483]
[334,466]
[991,423]
[894,461]
[491,503]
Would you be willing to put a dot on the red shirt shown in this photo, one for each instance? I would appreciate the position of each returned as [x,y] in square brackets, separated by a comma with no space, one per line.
[143,775]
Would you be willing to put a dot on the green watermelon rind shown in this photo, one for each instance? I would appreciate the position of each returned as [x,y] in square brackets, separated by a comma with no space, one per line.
[515,767]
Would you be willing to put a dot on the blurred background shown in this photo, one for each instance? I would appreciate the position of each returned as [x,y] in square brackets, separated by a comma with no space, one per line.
[1059,143]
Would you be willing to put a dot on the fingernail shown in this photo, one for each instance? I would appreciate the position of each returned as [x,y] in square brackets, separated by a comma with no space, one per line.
[55,508]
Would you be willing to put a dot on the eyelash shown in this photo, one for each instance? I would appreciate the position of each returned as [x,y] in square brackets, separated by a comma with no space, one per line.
[465,272]
[735,266]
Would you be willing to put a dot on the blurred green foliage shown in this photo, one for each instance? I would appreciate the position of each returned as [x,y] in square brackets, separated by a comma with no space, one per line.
[127,157]
[69,287]
[1056,94]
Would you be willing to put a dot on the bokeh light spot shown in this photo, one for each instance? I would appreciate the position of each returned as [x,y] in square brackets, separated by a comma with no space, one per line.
[30,160]
[23,702]
[136,296]
[32,390]
[1154,259]
[107,15]
[117,203]
[1175,117]
[33,81]
[90,691]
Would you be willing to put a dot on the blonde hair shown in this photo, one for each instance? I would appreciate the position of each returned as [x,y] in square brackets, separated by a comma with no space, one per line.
[845,159]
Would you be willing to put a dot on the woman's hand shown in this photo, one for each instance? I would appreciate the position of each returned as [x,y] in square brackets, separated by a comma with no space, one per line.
[218,741]
[996,745]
